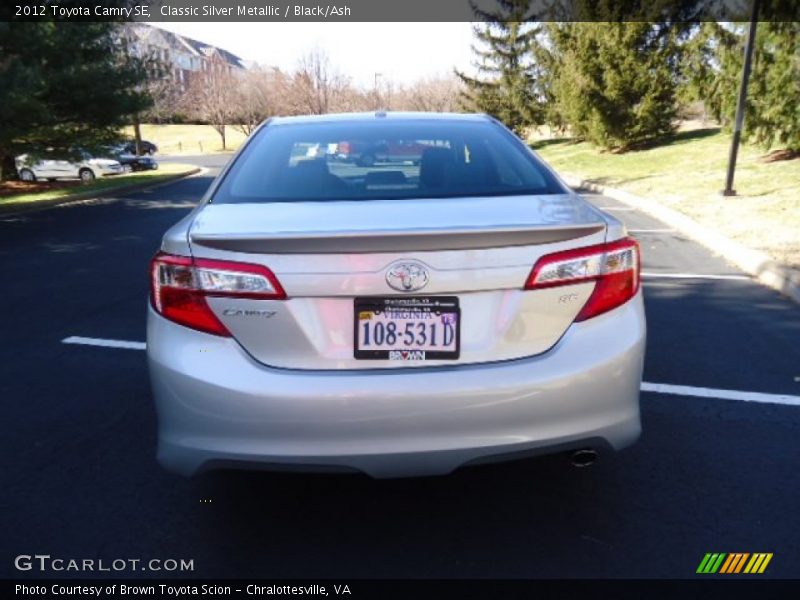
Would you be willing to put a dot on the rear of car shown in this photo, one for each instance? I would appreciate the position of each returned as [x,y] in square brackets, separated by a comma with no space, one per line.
[145,147]
[131,162]
[401,318]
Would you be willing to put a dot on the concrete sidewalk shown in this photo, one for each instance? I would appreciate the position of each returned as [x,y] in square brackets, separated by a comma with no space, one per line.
[754,262]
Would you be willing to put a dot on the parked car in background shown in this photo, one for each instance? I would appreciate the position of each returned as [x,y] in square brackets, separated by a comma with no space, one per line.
[131,162]
[87,169]
[145,146]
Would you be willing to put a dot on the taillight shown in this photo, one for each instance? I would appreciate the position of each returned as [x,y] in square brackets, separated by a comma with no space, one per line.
[614,267]
[179,286]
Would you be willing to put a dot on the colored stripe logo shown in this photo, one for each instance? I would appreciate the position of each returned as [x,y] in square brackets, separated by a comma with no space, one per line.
[734,563]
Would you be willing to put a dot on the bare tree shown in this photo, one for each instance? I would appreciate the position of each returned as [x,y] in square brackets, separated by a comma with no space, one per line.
[259,95]
[317,87]
[211,97]
[433,94]
[385,94]
[352,99]
[166,97]
[243,100]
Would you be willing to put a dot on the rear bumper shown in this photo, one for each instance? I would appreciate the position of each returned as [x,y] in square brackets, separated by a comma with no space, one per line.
[218,407]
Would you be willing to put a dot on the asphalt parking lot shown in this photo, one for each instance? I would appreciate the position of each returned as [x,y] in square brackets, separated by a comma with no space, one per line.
[716,469]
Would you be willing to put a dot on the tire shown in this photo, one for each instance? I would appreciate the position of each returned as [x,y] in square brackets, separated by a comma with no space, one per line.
[51,179]
[27,175]
[86,175]
[127,169]
[366,160]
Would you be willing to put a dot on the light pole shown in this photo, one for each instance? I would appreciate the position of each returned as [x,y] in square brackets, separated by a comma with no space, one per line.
[377,95]
[740,105]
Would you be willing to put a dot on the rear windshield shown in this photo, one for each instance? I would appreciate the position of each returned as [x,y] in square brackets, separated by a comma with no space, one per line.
[382,159]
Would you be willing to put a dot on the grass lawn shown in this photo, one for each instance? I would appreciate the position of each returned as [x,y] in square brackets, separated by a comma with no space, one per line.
[62,190]
[189,139]
[687,174]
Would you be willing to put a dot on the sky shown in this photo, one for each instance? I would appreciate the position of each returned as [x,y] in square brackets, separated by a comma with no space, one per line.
[402,52]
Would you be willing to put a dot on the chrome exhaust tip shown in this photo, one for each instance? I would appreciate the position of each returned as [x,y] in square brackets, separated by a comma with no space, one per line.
[583,458]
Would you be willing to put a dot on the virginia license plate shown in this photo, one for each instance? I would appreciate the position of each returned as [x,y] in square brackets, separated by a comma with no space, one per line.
[407,328]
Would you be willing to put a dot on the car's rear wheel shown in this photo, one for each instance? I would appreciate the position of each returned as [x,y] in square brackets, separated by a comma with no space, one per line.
[27,175]
[86,175]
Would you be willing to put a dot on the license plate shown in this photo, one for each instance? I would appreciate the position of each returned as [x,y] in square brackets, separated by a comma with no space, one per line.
[406,328]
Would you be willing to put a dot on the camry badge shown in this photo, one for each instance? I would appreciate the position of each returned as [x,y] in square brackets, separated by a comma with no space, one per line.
[407,276]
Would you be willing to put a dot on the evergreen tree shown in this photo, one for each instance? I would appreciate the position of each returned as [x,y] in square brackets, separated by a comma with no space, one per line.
[615,82]
[65,87]
[772,113]
[548,59]
[506,84]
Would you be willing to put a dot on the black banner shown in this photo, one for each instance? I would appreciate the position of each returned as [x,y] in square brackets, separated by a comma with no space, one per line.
[391,10]
[357,589]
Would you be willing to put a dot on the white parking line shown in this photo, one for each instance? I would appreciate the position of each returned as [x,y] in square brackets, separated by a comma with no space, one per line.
[656,388]
[652,275]
[701,392]
[104,343]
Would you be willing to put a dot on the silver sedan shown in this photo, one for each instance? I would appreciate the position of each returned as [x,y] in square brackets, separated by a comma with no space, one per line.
[451,303]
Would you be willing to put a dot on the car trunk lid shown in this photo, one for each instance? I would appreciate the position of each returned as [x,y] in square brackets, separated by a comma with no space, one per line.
[328,254]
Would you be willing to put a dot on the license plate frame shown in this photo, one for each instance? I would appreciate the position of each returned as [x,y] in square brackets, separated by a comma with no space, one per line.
[438,306]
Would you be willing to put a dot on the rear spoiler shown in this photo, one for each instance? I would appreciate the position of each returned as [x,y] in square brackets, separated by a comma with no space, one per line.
[389,240]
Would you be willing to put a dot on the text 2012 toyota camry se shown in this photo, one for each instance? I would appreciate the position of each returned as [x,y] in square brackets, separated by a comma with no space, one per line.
[401,318]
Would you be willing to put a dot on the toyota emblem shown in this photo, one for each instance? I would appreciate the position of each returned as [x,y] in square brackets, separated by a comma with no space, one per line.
[407,276]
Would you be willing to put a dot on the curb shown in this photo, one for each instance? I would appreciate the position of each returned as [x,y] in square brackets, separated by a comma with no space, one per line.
[764,269]
[84,196]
